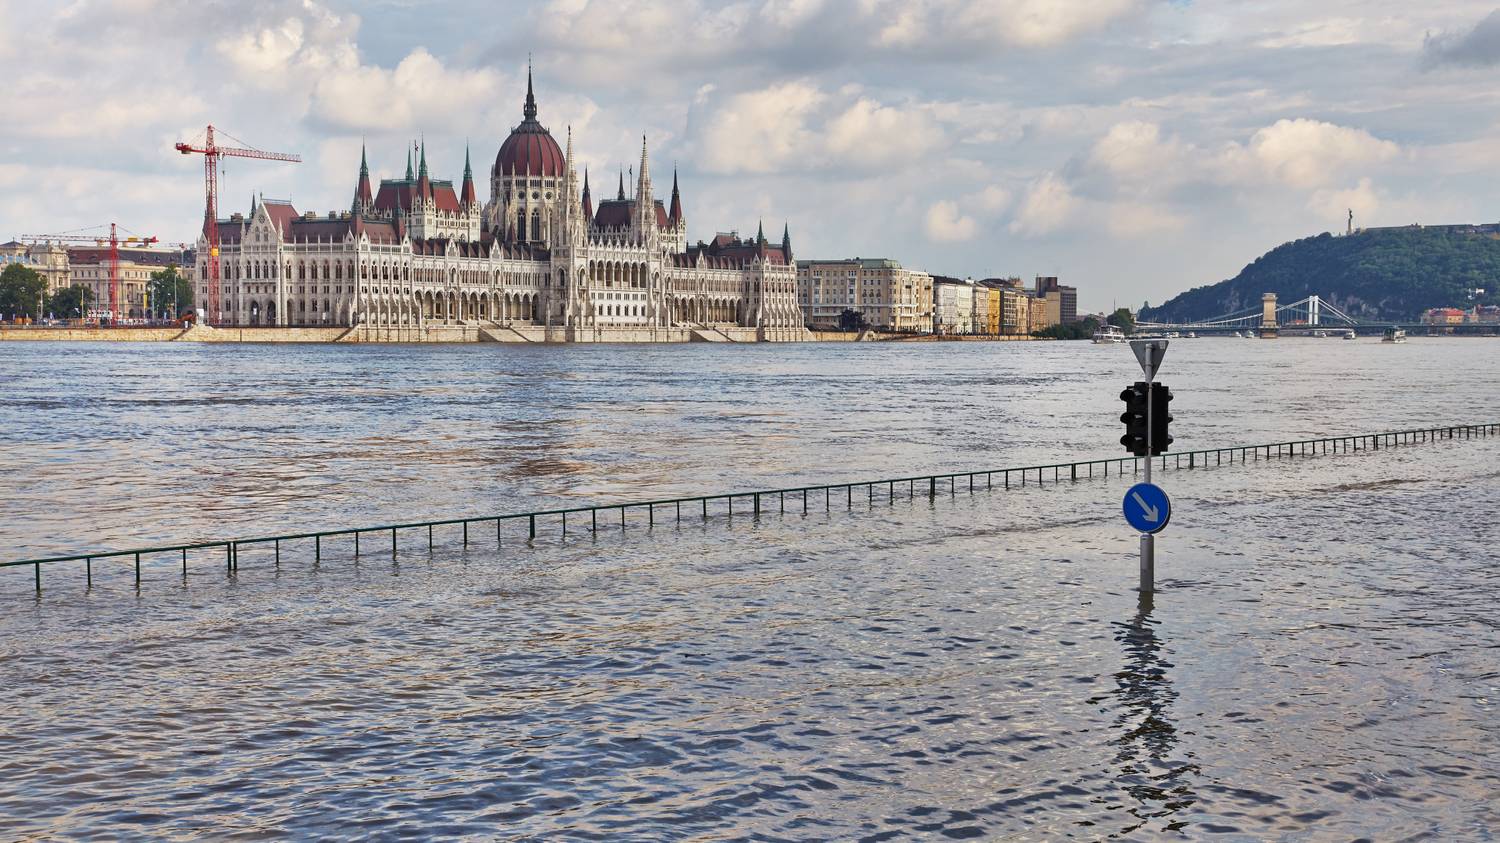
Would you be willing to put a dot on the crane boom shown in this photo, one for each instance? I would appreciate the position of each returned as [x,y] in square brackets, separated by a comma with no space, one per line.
[113,240]
[211,153]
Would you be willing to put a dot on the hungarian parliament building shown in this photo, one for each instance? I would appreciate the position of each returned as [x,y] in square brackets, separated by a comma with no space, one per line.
[540,260]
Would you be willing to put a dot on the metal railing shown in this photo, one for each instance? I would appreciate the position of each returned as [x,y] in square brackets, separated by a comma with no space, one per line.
[803,496]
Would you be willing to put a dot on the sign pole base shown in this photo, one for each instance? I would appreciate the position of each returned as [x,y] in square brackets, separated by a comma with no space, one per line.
[1148,564]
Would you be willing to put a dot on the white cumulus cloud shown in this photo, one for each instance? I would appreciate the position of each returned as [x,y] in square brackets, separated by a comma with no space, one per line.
[796,126]
[1046,208]
[1311,153]
[1135,151]
[946,225]
[1015,23]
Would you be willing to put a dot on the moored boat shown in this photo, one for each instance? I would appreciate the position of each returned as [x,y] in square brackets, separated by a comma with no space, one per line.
[1108,334]
[1394,335]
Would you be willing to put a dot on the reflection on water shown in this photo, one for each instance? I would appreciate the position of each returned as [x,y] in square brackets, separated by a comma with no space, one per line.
[1146,769]
[1318,662]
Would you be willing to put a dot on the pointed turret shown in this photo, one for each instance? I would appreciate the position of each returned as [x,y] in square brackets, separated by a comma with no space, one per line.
[363,196]
[643,180]
[674,215]
[466,196]
[786,241]
[621,197]
[588,200]
[424,184]
[760,234]
[409,176]
[529,110]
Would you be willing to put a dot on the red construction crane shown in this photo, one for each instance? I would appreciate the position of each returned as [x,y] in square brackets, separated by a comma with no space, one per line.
[211,153]
[113,241]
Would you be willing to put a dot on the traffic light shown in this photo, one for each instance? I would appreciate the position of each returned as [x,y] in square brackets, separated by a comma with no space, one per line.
[1160,418]
[1134,417]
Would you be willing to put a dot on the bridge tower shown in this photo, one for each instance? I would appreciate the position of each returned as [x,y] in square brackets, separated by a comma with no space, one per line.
[1268,328]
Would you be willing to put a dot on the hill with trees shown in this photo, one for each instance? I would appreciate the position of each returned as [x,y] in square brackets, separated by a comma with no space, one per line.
[1390,274]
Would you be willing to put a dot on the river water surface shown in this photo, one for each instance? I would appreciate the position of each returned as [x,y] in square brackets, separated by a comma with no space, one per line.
[1322,659]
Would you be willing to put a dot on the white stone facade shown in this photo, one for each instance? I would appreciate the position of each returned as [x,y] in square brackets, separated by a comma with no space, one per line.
[886,295]
[417,254]
[953,307]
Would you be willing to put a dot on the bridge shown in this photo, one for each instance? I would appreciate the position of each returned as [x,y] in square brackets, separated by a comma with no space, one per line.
[1271,319]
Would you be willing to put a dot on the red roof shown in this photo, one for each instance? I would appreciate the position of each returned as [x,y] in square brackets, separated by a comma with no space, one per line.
[281,214]
[726,251]
[402,193]
[530,149]
[617,213]
[150,257]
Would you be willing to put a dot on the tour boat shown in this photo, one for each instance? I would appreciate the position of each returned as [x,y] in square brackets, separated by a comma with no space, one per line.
[1394,335]
[1109,333]
[1350,335]
[1320,334]
[1249,335]
[1192,335]
[1238,335]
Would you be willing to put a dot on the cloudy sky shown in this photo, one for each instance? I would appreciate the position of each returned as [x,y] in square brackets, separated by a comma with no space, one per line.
[1134,147]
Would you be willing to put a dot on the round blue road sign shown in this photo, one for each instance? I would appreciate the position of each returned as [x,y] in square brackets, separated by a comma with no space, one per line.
[1147,508]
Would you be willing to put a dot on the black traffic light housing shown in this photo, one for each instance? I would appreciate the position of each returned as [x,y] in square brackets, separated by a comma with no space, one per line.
[1161,416]
[1134,417]
[1136,397]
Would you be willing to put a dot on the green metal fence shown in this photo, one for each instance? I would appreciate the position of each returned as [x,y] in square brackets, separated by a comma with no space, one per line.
[754,503]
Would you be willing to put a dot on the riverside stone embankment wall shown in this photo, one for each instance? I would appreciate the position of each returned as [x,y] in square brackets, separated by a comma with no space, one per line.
[194,334]
[486,332]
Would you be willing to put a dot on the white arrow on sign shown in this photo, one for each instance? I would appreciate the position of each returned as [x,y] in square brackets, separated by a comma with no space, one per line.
[1152,513]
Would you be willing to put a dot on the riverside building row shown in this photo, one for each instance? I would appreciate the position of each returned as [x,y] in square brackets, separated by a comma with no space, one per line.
[880,294]
[539,258]
[62,266]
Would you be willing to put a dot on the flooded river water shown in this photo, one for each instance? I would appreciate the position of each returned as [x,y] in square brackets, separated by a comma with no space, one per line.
[1322,659]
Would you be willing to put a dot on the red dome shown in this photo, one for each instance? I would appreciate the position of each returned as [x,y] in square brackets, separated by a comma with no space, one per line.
[530,149]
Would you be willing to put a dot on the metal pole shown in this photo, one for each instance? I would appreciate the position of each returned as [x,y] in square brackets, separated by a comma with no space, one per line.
[1148,542]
